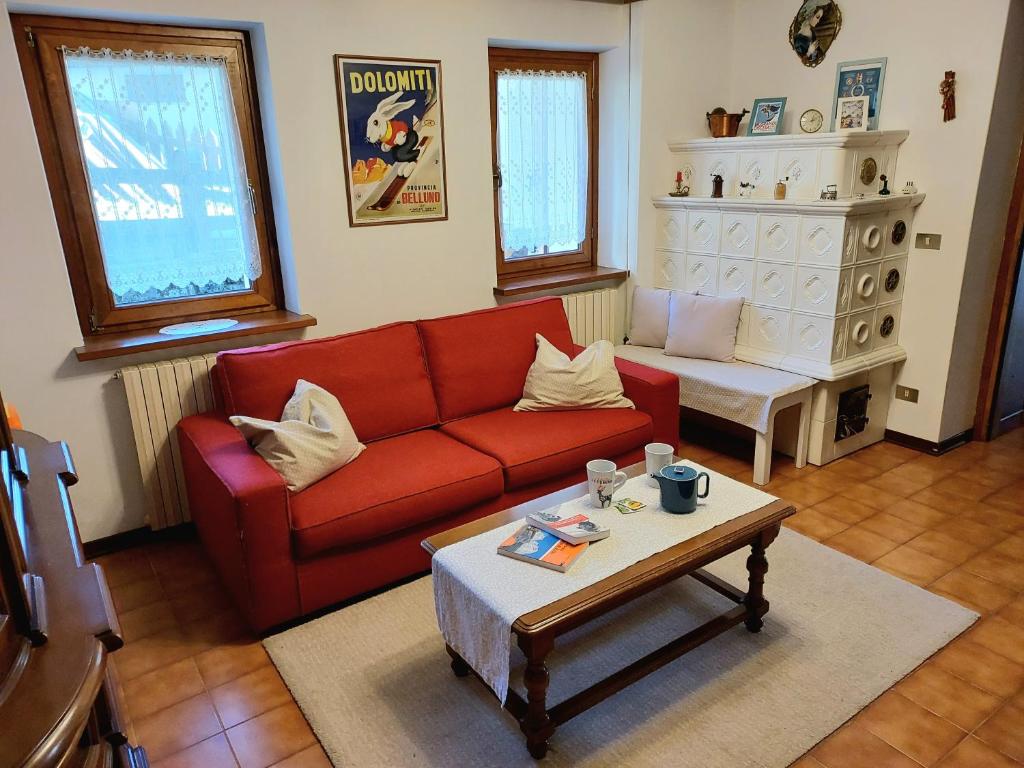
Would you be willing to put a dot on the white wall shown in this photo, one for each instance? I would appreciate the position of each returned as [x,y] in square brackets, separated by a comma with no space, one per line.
[348,278]
[679,72]
[922,39]
[988,231]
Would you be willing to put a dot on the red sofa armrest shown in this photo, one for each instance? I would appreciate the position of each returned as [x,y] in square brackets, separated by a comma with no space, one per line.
[654,392]
[240,506]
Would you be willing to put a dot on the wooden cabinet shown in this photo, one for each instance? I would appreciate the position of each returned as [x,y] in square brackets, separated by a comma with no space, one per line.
[59,699]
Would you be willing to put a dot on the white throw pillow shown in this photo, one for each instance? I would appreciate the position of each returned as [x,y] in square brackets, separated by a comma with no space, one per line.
[312,439]
[703,326]
[649,317]
[556,383]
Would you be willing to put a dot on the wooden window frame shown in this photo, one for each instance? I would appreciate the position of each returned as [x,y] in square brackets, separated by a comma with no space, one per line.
[585,257]
[38,39]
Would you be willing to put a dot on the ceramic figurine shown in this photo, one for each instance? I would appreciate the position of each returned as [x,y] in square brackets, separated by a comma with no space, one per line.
[947,88]
[746,189]
[716,185]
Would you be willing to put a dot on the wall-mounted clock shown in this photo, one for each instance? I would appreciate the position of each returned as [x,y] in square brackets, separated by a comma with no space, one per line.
[811,121]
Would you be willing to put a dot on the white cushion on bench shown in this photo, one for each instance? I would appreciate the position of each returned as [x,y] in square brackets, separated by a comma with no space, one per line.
[739,392]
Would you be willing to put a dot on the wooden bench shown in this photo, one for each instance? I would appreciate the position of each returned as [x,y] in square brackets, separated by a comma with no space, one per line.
[743,393]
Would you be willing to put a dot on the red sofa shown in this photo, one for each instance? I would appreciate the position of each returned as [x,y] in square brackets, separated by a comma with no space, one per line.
[433,401]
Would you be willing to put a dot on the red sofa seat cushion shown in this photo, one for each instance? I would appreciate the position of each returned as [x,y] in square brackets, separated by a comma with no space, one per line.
[537,445]
[396,483]
[379,375]
[478,361]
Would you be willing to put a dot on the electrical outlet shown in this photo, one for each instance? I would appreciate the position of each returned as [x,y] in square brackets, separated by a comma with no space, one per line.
[906,393]
[928,241]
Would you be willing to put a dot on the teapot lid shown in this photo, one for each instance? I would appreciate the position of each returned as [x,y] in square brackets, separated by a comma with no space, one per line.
[678,472]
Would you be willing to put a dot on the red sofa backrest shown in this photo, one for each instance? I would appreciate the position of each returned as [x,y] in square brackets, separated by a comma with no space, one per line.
[478,361]
[379,375]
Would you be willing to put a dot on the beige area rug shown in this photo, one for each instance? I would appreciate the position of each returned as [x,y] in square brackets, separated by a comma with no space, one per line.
[374,682]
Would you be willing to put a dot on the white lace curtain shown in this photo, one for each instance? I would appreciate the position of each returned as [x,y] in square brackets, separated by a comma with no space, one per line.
[543,154]
[163,155]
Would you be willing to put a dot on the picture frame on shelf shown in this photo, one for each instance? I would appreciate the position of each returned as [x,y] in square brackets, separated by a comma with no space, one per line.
[766,116]
[852,114]
[865,77]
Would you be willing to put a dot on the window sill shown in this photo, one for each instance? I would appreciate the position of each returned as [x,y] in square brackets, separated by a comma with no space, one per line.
[516,286]
[130,342]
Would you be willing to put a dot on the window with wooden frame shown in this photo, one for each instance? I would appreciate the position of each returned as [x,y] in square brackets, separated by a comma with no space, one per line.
[153,150]
[544,148]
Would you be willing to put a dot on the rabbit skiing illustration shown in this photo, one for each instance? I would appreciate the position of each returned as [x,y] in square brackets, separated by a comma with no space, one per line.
[392,128]
[393,135]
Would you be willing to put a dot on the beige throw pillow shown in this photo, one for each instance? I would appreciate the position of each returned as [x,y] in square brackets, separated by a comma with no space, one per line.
[703,326]
[556,383]
[648,325]
[312,439]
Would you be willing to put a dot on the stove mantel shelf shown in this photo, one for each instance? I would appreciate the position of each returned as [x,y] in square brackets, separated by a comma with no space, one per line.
[845,207]
[835,140]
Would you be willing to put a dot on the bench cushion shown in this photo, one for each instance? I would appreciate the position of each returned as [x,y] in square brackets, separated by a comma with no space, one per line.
[739,392]
[533,446]
[396,483]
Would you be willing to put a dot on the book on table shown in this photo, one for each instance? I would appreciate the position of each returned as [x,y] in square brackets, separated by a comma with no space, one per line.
[574,528]
[532,545]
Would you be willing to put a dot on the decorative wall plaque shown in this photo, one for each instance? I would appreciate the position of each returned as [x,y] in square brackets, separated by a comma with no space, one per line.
[814,28]
[899,231]
[892,280]
[868,170]
[887,326]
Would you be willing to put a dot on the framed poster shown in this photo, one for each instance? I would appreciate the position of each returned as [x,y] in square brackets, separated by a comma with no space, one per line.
[766,117]
[392,134]
[852,114]
[860,78]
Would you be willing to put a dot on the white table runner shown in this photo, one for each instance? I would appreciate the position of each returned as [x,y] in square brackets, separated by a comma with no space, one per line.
[478,594]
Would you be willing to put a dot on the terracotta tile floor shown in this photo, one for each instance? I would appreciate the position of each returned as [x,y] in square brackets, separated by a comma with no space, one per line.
[201,692]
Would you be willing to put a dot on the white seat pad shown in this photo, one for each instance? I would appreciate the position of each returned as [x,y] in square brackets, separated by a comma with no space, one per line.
[739,392]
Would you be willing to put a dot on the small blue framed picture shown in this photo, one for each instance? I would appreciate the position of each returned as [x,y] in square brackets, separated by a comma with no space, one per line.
[766,117]
[860,78]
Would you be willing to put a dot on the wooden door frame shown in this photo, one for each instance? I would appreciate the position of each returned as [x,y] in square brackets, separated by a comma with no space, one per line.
[1002,301]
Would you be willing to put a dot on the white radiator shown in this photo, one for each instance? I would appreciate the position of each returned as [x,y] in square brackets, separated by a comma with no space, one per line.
[591,315]
[159,396]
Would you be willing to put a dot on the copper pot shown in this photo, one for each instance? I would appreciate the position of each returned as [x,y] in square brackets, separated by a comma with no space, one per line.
[722,123]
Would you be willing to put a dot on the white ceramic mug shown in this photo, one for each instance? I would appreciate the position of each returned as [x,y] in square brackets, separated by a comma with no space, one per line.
[603,480]
[658,455]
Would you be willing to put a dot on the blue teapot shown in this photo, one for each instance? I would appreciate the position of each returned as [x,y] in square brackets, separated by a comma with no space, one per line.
[679,491]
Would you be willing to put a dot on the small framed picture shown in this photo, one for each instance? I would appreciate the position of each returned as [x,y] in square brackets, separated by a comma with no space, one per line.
[860,78]
[852,113]
[766,117]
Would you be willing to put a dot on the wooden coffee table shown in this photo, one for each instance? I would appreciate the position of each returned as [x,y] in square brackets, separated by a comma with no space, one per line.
[536,631]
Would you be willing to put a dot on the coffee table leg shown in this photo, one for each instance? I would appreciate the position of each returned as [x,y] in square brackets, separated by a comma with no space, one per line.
[459,665]
[757,567]
[536,724]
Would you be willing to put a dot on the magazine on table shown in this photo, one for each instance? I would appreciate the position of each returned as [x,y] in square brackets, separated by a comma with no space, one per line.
[532,545]
[574,528]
